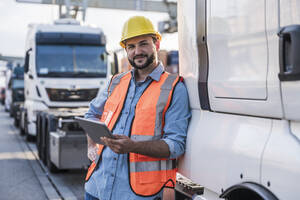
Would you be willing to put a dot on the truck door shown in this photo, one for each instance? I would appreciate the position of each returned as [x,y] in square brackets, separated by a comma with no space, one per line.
[289,59]
[241,77]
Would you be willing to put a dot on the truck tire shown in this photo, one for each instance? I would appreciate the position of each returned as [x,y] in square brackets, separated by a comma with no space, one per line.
[22,131]
[16,122]
[11,111]
[52,168]
[38,135]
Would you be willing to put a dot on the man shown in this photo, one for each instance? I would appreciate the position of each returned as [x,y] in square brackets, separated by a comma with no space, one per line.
[147,110]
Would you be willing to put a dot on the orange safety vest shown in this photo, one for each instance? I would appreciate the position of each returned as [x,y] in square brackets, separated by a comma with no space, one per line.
[148,175]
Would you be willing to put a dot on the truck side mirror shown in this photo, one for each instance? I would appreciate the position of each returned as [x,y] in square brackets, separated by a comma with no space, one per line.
[103,56]
[9,83]
[26,64]
[115,66]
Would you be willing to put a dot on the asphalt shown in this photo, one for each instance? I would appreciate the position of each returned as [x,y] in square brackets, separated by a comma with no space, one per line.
[21,176]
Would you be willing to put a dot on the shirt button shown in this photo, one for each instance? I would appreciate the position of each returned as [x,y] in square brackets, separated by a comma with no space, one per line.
[122,127]
[112,175]
[115,158]
[126,113]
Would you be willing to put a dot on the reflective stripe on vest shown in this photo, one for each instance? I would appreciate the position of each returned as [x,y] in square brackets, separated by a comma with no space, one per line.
[147,175]
[153,166]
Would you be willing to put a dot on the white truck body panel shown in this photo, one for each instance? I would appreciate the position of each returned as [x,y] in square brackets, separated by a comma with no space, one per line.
[247,135]
[188,47]
[281,160]
[221,147]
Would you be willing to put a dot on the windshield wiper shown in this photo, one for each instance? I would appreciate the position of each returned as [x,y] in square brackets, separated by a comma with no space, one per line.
[56,74]
[72,74]
[88,74]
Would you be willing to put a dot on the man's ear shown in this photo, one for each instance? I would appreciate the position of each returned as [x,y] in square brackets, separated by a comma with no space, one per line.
[157,45]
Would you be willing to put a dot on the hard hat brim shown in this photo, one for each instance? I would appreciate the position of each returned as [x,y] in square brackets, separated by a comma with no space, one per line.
[122,42]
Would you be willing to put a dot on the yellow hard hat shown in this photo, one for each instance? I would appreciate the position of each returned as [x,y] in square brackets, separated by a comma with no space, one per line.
[136,26]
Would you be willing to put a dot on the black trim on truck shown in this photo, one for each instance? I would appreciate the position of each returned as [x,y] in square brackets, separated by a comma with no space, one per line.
[70,38]
[289,60]
[247,191]
[202,53]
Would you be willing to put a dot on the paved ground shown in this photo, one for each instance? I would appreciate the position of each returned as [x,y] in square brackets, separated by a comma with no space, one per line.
[24,177]
[18,180]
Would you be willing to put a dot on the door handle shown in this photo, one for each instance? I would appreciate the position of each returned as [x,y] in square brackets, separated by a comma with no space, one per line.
[289,58]
[30,76]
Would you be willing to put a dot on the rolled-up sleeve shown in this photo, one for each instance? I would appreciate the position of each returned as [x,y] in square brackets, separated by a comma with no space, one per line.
[96,106]
[176,121]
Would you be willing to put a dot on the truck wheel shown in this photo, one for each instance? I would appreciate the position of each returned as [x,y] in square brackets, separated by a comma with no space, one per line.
[43,139]
[16,122]
[22,131]
[52,168]
[38,136]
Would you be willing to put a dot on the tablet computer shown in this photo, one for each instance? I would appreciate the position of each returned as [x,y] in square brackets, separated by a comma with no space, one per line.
[94,129]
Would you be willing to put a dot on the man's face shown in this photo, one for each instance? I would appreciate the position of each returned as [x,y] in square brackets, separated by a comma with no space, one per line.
[141,51]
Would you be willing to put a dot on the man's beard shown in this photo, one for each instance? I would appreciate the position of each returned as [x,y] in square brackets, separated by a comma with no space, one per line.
[147,63]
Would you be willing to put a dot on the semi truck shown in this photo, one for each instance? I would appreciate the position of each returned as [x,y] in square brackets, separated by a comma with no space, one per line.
[65,67]
[16,85]
[240,63]
[2,83]
[7,90]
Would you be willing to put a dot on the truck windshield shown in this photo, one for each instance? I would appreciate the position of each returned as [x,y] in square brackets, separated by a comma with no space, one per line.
[71,61]
[17,83]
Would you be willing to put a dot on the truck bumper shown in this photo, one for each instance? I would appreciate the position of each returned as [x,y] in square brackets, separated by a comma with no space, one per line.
[68,151]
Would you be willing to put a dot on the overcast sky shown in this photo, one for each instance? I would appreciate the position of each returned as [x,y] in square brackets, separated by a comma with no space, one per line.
[14,18]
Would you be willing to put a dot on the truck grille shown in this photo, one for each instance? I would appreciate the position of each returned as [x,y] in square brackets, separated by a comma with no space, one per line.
[71,95]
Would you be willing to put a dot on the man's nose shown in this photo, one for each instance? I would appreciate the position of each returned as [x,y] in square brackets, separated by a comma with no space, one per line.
[138,50]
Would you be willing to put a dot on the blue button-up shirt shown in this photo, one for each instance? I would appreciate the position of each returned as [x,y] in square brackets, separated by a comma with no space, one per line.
[111,180]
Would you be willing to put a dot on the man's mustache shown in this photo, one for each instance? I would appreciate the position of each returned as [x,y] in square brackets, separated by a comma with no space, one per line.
[140,56]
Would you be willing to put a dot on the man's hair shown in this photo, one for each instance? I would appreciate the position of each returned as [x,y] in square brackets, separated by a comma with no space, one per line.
[154,38]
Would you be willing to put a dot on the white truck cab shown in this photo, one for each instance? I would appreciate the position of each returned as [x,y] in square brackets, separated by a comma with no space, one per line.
[240,63]
[65,65]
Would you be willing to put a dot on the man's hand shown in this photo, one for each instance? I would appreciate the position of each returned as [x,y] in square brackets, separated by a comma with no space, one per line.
[92,149]
[119,144]
[122,144]
[92,152]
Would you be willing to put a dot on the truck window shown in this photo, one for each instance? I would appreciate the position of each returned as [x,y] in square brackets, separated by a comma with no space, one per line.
[70,61]
[17,83]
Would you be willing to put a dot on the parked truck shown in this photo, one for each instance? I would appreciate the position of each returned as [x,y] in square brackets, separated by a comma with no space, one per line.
[2,83]
[65,66]
[240,63]
[7,90]
[16,85]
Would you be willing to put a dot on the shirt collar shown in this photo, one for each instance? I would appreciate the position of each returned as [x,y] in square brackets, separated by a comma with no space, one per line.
[155,74]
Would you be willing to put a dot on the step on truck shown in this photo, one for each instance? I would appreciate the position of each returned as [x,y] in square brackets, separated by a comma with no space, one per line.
[240,63]
[65,67]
